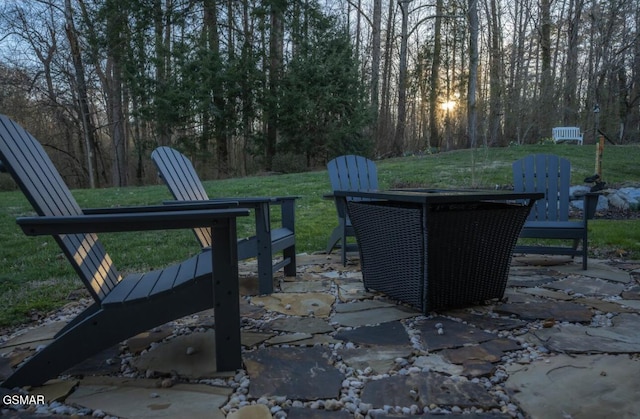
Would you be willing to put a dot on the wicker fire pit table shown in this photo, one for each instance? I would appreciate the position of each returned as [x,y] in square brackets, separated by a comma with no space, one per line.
[437,249]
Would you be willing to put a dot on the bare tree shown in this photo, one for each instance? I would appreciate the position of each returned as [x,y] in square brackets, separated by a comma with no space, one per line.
[116,21]
[398,142]
[434,81]
[570,105]
[496,76]
[85,117]
[473,73]
[276,47]
[375,59]
[545,110]
[385,121]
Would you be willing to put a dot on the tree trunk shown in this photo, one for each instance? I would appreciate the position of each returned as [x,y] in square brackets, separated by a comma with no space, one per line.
[385,127]
[115,24]
[246,89]
[570,108]
[375,59]
[473,73]
[216,89]
[398,143]
[434,89]
[545,111]
[495,78]
[85,118]
[275,67]
[162,33]
[116,124]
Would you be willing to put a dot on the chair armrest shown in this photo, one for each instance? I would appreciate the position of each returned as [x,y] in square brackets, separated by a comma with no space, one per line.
[256,200]
[242,202]
[176,205]
[133,221]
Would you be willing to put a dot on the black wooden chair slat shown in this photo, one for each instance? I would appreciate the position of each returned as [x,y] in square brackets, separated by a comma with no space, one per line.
[202,265]
[181,176]
[45,189]
[125,306]
[145,286]
[188,269]
[38,174]
[178,173]
[182,180]
[166,279]
[121,292]
[92,263]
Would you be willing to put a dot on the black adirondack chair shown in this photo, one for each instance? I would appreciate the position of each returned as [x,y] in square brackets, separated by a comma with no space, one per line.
[549,217]
[349,173]
[123,305]
[184,184]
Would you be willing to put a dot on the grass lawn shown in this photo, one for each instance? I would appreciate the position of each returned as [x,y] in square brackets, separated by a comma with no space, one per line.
[35,277]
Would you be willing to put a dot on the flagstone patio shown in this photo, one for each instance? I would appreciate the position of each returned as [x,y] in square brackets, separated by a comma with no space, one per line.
[564,343]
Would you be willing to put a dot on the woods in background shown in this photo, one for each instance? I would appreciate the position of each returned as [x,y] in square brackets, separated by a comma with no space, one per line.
[244,86]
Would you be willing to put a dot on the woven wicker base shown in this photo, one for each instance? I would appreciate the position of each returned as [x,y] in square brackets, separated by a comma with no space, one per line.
[450,256]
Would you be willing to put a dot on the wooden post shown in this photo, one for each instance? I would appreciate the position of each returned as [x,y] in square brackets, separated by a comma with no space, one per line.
[599,153]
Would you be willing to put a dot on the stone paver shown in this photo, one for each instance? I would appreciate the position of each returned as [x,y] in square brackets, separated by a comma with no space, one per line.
[298,304]
[564,311]
[441,333]
[190,356]
[441,416]
[373,316]
[578,387]
[256,411]
[490,351]
[32,338]
[621,337]
[301,413]
[137,400]
[390,333]
[424,389]
[600,270]
[487,323]
[559,344]
[142,341]
[295,373]
[296,323]
[381,359]
[588,286]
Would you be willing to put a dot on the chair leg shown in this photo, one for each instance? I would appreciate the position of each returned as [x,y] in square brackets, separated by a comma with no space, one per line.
[288,217]
[334,239]
[290,253]
[344,245]
[585,251]
[585,254]
[265,254]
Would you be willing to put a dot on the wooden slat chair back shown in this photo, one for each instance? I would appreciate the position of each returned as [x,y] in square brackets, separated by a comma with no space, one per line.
[348,173]
[178,173]
[550,175]
[352,173]
[549,217]
[123,305]
[48,194]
